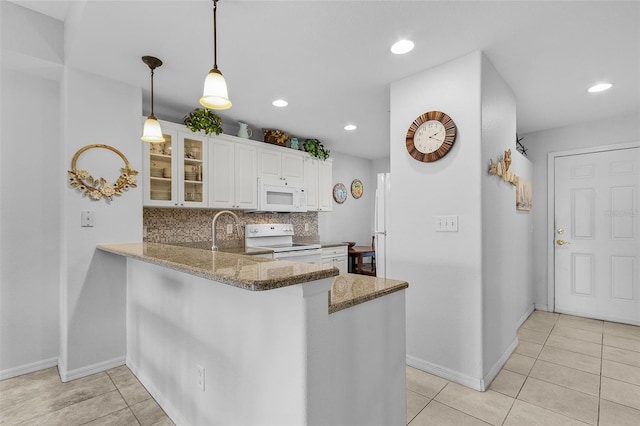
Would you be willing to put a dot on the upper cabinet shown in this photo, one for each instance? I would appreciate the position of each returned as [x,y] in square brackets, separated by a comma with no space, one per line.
[194,170]
[318,180]
[175,171]
[276,163]
[233,182]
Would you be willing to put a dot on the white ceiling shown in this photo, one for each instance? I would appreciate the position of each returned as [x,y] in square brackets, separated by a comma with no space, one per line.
[331,59]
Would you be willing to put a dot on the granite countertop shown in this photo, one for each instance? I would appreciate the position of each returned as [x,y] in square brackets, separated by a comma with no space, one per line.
[206,245]
[351,289]
[325,244]
[250,273]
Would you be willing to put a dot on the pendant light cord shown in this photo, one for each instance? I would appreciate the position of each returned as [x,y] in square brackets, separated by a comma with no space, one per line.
[215,47]
[152,93]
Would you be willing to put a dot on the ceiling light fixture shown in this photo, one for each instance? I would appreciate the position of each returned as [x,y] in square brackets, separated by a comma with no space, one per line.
[215,95]
[280,103]
[350,127]
[401,47]
[599,87]
[152,131]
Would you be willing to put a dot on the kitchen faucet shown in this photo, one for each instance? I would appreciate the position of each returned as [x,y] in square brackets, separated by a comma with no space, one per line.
[213,226]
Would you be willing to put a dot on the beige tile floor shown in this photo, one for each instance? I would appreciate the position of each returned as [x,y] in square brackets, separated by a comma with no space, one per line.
[566,370]
[114,397]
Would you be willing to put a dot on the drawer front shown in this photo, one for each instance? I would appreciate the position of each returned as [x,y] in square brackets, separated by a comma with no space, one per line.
[334,251]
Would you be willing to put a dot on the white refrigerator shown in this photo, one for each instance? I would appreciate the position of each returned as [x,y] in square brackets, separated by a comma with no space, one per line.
[380,223]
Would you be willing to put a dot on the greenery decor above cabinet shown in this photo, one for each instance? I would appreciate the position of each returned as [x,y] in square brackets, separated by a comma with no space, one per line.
[221,171]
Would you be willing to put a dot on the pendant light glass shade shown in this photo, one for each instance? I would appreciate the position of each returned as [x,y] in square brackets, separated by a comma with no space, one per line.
[152,131]
[215,95]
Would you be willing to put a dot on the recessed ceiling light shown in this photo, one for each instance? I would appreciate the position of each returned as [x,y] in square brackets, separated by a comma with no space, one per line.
[350,127]
[599,87]
[280,103]
[401,47]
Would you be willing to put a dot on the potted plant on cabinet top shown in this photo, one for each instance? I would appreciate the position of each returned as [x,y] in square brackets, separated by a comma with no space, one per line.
[203,119]
[315,148]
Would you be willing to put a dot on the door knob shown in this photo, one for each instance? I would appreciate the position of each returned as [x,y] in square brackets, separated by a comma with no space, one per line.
[560,231]
[562,242]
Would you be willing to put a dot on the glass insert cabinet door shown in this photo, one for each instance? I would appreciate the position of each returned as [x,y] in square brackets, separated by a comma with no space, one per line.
[176,170]
[161,188]
[193,169]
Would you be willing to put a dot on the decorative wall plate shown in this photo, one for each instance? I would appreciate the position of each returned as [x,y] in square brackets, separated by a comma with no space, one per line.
[339,193]
[356,188]
[95,189]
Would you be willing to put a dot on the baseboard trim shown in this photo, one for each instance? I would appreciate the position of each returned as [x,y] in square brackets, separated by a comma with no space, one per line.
[541,307]
[446,373]
[493,372]
[28,368]
[166,405]
[524,317]
[67,376]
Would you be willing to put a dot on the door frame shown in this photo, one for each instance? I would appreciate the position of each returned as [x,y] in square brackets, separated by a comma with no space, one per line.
[551,208]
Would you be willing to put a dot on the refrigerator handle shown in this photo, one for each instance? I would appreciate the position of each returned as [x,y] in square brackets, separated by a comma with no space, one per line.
[375,214]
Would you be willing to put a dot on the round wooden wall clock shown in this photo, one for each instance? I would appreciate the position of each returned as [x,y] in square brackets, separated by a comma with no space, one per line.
[431,136]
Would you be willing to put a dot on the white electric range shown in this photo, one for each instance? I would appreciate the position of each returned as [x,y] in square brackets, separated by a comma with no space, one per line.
[279,238]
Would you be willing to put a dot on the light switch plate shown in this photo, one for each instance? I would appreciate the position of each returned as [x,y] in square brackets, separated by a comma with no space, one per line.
[87,218]
[446,223]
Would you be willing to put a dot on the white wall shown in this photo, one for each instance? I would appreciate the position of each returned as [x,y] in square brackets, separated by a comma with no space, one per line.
[29,202]
[59,301]
[468,290]
[353,219]
[606,131]
[506,232]
[92,284]
[443,268]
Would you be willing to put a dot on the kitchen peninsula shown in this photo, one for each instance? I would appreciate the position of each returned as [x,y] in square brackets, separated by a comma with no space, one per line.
[223,338]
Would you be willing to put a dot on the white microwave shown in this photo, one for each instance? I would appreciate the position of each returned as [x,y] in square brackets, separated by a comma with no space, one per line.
[277,195]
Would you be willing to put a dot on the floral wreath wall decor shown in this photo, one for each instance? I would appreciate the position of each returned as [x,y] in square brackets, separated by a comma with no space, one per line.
[98,188]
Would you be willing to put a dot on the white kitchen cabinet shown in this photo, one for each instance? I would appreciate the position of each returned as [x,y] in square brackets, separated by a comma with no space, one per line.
[233,181]
[318,177]
[193,170]
[174,172]
[336,257]
[276,163]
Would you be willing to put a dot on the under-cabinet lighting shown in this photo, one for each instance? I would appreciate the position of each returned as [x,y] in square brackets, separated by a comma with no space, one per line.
[280,103]
[350,127]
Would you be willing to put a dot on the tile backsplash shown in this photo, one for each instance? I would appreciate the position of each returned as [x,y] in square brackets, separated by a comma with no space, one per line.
[169,225]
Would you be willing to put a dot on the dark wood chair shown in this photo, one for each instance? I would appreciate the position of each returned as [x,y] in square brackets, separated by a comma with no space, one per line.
[356,256]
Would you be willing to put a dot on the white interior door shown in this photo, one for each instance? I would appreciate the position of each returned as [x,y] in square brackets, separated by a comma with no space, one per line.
[596,235]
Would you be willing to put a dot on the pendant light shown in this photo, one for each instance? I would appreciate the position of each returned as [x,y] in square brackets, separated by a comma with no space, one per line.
[152,132]
[215,94]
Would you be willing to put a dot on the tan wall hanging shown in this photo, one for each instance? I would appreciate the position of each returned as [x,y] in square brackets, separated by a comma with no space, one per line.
[98,188]
[501,169]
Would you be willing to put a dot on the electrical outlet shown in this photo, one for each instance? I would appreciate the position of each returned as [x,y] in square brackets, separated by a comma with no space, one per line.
[229,229]
[446,223]
[306,227]
[87,218]
[144,231]
[200,377]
